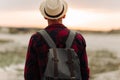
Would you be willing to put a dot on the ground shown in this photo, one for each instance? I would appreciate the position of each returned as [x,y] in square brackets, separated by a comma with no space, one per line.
[102,49]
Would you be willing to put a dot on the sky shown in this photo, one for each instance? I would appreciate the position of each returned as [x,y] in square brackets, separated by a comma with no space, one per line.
[82,14]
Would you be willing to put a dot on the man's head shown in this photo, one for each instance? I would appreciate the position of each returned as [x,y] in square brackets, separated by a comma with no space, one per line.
[53,9]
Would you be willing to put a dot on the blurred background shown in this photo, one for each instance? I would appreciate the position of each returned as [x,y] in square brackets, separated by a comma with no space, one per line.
[97,20]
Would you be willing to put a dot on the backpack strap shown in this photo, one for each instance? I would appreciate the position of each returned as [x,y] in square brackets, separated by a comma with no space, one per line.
[70,39]
[70,64]
[51,43]
[55,59]
[47,38]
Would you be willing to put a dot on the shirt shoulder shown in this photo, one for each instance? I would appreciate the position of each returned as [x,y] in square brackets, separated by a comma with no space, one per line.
[80,39]
[35,37]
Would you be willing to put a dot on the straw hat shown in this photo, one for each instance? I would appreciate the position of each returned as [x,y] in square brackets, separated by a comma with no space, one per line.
[53,9]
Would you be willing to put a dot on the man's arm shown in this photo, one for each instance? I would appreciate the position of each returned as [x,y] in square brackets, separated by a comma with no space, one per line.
[31,70]
[84,65]
[83,57]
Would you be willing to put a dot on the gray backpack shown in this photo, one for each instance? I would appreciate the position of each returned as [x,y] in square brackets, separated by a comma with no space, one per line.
[63,63]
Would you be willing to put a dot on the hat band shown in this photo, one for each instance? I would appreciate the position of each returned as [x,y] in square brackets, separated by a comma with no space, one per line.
[54,15]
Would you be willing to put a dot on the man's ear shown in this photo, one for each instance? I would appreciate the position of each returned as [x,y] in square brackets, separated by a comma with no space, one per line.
[46,18]
[64,16]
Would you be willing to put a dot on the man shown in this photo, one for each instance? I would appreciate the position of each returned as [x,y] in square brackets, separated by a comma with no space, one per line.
[36,60]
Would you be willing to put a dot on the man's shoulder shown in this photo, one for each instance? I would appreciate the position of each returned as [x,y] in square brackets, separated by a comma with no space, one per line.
[78,34]
[36,35]
[79,38]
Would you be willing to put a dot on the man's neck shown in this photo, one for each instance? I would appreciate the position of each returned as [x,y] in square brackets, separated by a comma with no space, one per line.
[59,21]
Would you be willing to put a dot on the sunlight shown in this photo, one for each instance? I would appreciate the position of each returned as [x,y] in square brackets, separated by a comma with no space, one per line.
[22,19]
[80,18]
[75,19]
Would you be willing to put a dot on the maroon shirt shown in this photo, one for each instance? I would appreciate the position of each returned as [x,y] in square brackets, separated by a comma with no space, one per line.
[36,58]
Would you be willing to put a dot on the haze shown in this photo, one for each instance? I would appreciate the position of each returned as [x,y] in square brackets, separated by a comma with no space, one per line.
[82,14]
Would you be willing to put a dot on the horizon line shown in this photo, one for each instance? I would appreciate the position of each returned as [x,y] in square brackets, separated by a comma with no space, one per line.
[72,28]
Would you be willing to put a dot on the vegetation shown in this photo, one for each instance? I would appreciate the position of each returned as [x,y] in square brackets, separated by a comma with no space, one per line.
[12,57]
[100,32]
[5,41]
[99,61]
[102,61]
[14,30]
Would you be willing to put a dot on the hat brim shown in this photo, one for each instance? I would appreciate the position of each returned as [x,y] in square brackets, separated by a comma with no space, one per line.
[42,7]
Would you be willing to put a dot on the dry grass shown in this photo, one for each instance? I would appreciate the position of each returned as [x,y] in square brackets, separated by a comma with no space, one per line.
[2,41]
[99,61]
[102,61]
[12,57]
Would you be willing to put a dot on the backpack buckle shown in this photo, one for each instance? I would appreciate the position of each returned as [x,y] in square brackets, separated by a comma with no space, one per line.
[73,78]
[55,60]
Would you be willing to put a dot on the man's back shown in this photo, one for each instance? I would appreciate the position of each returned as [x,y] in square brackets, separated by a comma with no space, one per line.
[37,52]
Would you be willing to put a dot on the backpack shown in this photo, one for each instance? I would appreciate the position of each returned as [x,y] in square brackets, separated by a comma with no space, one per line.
[63,63]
